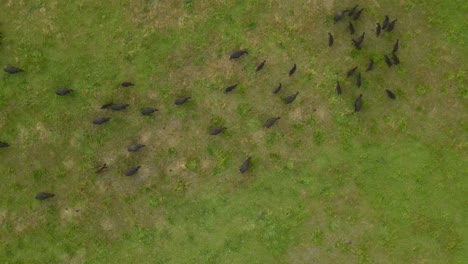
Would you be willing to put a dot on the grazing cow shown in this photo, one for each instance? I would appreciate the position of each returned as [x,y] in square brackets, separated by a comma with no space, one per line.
[353,10]
[127,84]
[356,44]
[351,72]
[237,54]
[215,131]
[12,70]
[338,16]
[361,38]
[358,14]
[351,28]
[291,98]
[230,88]
[277,89]
[182,100]
[132,171]
[101,120]
[118,107]
[4,144]
[245,166]
[396,45]
[260,66]
[330,39]
[358,104]
[338,87]
[391,25]
[293,70]
[135,147]
[63,91]
[371,65]
[395,59]
[102,168]
[378,29]
[390,94]
[270,122]
[388,61]
[359,80]
[148,110]
[385,22]
[43,195]
[106,105]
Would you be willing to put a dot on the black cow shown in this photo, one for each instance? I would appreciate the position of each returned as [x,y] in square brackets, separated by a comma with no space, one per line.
[237,54]
[118,107]
[391,25]
[353,10]
[215,131]
[358,104]
[396,45]
[338,87]
[390,94]
[277,89]
[356,44]
[43,195]
[135,147]
[293,70]
[245,166]
[127,84]
[388,61]
[338,16]
[361,38]
[351,72]
[4,144]
[378,30]
[385,22]
[371,65]
[270,122]
[358,14]
[63,91]
[148,110]
[182,100]
[101,120]
[351,28]
[330,39]
[132,171]
[291,98]
[230,88]
[260,66]
[12,70]
[395,59]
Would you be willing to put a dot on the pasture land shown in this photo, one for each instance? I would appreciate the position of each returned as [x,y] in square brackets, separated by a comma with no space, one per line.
[326,185]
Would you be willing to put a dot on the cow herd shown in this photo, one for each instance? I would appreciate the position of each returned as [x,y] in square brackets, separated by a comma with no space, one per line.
[353,14]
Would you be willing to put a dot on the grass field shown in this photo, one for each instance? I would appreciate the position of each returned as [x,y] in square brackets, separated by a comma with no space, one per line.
[326,185]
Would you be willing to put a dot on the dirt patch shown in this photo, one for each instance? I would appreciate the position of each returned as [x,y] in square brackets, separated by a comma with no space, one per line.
[323,115]
[168,132]
[69,163]
[176,167]
[23,225]
[107,224]
[69,215]
[44,133]
[206,164]
[296,115]
[258,136]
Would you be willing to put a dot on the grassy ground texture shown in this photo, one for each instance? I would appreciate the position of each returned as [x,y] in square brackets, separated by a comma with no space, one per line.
[326,185]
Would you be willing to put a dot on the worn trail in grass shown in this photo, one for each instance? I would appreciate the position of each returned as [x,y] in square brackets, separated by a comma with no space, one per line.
[326,185]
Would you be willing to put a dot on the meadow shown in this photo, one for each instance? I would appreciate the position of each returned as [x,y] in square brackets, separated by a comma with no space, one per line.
[326,185]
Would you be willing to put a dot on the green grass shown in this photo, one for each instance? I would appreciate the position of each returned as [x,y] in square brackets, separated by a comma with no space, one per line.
[326,185]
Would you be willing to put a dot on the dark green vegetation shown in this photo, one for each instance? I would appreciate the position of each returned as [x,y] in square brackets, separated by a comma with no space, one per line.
[325,185]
